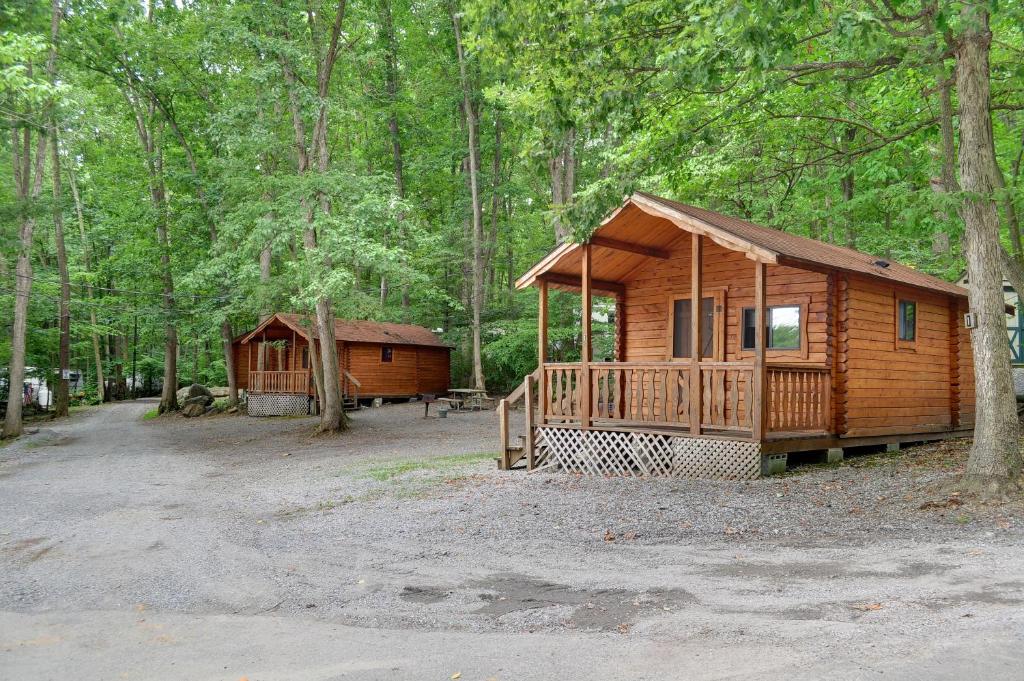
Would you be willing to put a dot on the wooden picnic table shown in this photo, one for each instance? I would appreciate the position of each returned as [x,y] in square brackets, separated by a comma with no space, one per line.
[462,398]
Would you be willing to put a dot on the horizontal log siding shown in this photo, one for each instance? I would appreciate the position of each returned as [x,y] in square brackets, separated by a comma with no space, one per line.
[647,302]
[411,370]
[888,388]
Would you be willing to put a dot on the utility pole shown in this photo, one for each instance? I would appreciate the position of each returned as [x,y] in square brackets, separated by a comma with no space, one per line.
[135,356]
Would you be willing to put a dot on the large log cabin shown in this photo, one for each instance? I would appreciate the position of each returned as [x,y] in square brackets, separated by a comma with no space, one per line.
[800,345]
[376,359]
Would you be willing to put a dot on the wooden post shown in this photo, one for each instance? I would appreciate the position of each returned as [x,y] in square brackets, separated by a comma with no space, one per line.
[503,435]
[586,349]
[543,390]
[528,444]
[696,258]
[760,376]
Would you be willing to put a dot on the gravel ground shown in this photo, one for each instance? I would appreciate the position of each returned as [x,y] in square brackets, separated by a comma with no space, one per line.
[230,547]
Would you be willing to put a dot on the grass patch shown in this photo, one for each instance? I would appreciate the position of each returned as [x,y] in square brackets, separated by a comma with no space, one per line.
[394,469]
[151,414]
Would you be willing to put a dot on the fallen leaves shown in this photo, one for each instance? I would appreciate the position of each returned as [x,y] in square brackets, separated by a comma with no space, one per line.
[867,607]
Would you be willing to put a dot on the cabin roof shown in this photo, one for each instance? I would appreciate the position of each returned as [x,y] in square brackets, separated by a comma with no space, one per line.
[355,331]
[646,226]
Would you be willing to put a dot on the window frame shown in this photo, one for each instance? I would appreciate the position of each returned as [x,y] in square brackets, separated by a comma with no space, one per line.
[800,301]
[390,350]
[898,301]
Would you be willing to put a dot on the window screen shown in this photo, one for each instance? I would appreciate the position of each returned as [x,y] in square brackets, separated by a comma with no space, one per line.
[386,353]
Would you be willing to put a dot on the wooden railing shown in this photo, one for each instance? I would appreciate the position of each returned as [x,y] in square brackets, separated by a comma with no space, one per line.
[296,382]
[798,398]
[647,393]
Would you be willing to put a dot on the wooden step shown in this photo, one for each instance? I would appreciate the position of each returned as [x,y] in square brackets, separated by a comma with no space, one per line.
[513,455]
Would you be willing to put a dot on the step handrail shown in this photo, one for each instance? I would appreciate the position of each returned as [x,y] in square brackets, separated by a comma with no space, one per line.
[520,391]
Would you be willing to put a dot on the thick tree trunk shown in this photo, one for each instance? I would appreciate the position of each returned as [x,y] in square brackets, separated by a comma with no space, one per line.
[391,86]
[472,124]
[61,399]
[995,458]
[87,261]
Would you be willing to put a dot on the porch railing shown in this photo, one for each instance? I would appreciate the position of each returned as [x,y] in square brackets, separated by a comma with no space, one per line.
[279,382]
[650,393]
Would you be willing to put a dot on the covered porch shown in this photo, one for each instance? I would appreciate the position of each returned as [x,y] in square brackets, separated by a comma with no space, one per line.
[752,364]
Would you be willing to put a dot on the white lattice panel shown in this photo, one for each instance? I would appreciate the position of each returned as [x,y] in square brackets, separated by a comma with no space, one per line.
[606,452]
[277,404]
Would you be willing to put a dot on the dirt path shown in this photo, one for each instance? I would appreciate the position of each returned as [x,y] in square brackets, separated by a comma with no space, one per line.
[195,549]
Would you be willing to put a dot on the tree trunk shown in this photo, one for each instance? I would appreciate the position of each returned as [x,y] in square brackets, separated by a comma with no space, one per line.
[472,124]
[169,394]
[87,261]
[62,399]
[332,415]
[562,169]
[391,87]
[995,457]
[28,182]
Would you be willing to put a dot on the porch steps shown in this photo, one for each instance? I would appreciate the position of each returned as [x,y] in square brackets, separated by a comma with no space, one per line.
[512,455]
[349,403]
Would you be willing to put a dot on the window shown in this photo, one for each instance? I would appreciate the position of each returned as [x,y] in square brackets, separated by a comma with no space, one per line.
[783,328]
[906,319]
[386,353]
[305,356]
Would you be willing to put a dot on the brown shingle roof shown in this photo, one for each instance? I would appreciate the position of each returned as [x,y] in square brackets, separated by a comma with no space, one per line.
[359,331]
[801,250]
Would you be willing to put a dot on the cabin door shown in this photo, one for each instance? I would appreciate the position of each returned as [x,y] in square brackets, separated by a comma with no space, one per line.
[681,327]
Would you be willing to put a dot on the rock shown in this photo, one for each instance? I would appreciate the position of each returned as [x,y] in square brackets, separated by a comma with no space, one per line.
[197,389]
[193,409]
[201,400]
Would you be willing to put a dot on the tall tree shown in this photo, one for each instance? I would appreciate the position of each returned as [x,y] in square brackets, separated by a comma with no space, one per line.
[471,115]
[995,461]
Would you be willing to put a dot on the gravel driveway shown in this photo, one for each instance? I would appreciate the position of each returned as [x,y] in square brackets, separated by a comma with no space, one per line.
[229,547]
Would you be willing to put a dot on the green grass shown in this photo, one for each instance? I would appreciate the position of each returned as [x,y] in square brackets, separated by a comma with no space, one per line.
[151,414]
[394,469]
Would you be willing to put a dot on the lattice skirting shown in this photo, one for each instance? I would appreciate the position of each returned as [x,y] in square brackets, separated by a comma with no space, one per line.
[277,404]
[606,452]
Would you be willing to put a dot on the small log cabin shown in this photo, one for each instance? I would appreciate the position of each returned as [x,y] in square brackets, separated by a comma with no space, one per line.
[377,359]
[795,345]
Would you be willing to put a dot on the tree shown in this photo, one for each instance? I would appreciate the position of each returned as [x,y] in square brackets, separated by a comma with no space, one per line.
[995,461]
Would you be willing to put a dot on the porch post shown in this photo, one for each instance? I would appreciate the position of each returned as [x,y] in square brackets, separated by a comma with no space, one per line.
[696,256]
[585,351]
[542,348]
[759,377]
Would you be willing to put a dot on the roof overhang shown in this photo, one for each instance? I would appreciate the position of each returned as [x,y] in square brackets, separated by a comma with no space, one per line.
[632,254]
[297,328]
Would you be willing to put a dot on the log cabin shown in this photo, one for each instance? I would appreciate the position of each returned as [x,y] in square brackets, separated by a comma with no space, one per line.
[796,345]
[377,359]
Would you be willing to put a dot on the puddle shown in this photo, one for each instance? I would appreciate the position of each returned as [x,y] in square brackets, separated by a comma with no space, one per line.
[590,609]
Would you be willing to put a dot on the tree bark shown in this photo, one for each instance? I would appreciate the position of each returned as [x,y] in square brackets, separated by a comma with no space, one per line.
[472,124]
[562,170]
[62,398]
[995,458]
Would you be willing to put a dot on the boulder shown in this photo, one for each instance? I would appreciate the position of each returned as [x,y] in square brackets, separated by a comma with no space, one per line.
[193,409]
[197,389]
[201,400]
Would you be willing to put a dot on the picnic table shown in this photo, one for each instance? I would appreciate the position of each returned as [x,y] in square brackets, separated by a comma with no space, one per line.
[460,399]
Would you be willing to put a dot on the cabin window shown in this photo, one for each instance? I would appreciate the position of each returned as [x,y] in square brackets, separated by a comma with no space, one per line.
[783,328]
[387,353]
[305,356]
[906,318]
